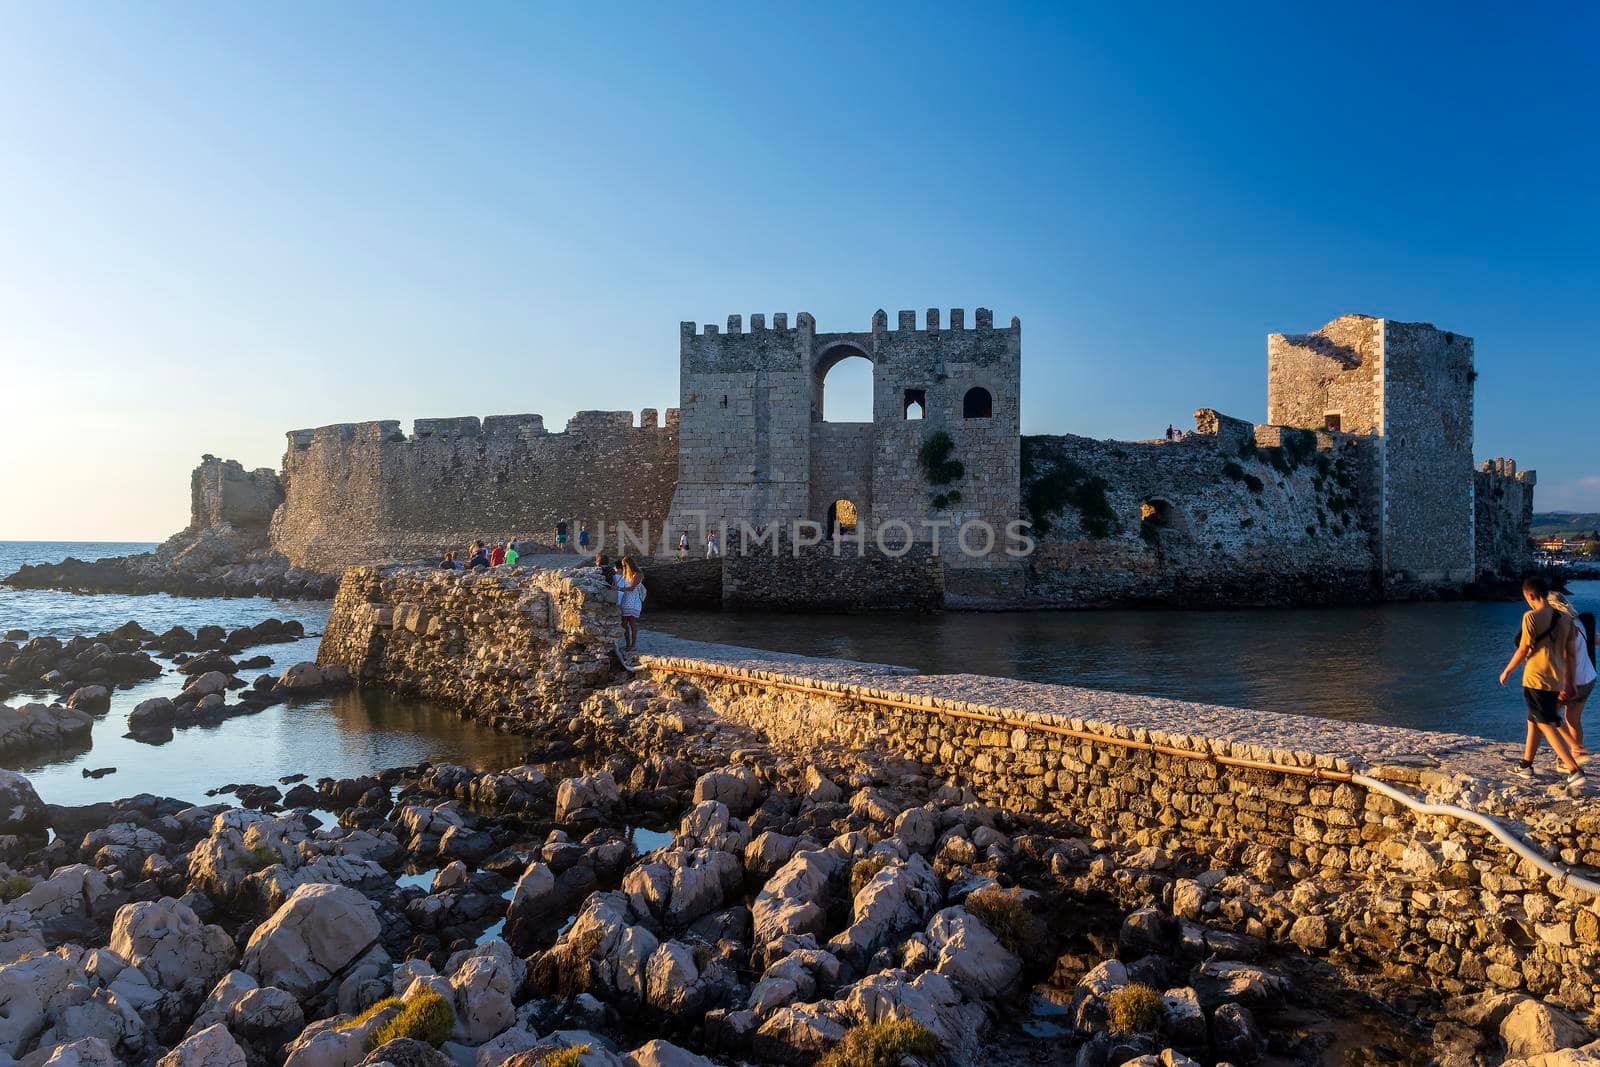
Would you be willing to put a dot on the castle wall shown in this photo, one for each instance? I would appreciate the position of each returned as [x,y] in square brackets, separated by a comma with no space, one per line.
[222,491]
[1427,443]
[1503,503]
[755,448]
[367,493]
[1230,514]
[1337,370]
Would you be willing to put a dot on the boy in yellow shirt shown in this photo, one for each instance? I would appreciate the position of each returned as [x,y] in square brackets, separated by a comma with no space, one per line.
[1544,652]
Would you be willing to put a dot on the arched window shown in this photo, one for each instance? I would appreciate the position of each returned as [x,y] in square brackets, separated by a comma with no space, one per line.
[916,404]
[977,404]
[844,394]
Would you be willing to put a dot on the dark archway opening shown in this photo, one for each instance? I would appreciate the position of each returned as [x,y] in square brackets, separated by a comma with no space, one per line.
[977,404]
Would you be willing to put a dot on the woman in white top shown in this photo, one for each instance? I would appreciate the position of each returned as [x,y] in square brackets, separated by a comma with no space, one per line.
[1583,678]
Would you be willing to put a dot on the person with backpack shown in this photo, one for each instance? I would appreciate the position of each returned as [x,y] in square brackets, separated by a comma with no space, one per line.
[1544,652]
[1584,673]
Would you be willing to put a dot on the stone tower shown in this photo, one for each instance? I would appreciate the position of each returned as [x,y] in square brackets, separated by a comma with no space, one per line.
[1409,387]
[753,446]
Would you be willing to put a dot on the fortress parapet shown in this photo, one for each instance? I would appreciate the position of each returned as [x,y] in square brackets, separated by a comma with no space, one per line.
[754,446]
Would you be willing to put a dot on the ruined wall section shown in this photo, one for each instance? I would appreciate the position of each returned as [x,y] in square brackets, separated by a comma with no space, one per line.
[1337,370]
[368,493]
[1503,503]
[1231,514]
[1428,477]
[222,492]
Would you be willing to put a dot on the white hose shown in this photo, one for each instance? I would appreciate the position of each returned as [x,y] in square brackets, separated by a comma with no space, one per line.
[1563,875]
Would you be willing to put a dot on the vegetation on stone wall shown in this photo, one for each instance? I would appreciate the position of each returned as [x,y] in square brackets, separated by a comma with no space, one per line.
[1063,484]
[1235,473]
[941,468]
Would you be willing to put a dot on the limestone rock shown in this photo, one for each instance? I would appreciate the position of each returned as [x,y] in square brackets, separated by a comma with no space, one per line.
[169,944]
[21,810]
[1533,1027]
[591,796]
[315,935]
[969,953]
[211,1047]
[736,786]
[659,1053]
[483,985]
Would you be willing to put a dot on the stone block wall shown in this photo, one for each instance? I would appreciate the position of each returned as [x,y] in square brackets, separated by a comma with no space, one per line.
[1503,505]
[1424,898]
[505,647]
[858,578]
[1230,514]
[1427,449]
[755,448]
[367,493]
[1409,386]
[221,492]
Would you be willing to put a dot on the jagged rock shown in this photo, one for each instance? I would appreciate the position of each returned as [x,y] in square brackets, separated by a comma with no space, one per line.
[90,698]
[483,984]
[407,1052]
[151,716]
[39,726]
[897,897]
[1093,991]
[319,932]
[267,1015]
[1223,980]
[85,1052]
[1147,931]
[210,683]
[768,851]
[735,786]
[681,885]
[220,1001]
[1234,1033]
[969,953]
[591,796]
[797,1031]
[171,947]
[211,1047]
[659,1053]
[930,999]
[1533,1027]
[1183,1019]
[709,824]
[30,989]
[918,828]
[788,903]
[501,1048]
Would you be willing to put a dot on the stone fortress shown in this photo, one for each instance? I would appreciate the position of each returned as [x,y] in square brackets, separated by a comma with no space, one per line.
[1360,486]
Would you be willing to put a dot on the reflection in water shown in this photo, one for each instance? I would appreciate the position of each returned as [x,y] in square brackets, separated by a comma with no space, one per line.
[350,734]
[1431,666]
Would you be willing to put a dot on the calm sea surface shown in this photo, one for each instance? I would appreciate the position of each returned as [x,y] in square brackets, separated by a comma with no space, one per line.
[1432,666]
[346,735]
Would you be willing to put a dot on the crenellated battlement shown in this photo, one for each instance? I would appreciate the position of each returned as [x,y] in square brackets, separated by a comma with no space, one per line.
[983,319]
[489,428]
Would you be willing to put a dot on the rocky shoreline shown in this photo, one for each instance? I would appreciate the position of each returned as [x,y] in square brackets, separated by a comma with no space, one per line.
[212,561]
[669,891]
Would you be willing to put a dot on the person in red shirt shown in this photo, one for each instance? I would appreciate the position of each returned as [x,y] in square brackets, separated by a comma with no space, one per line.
[497,555]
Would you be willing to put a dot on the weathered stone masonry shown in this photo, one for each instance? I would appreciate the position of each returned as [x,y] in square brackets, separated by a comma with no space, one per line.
[368,493]
[1429,898]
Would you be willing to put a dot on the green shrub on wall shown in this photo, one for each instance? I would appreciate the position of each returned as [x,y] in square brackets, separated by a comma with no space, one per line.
[1063,484]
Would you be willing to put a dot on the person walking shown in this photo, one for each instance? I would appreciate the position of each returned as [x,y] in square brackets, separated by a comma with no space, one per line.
[1544,652]
[1583,677]
[583,540]
[683,545]
[561,537]
[630,586]
[712,548]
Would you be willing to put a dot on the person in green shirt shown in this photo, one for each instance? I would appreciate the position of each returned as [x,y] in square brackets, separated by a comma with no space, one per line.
[512,554]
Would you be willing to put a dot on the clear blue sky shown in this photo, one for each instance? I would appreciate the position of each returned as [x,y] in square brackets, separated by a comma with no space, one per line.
[221,222]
